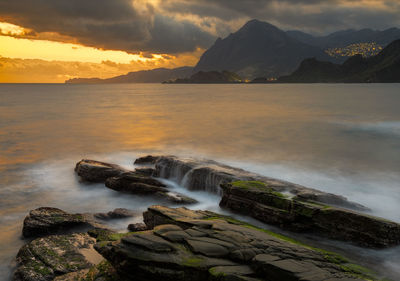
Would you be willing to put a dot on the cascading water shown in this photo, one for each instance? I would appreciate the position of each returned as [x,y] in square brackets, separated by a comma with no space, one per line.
[194,175]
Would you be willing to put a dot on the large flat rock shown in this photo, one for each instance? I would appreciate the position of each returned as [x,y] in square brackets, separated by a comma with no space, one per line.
[47,220]
[193,245]
[54,256]
[257,199]
[97,171]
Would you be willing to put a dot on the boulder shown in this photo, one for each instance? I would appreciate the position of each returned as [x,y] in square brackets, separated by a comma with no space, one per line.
[96,171]
[134,227]
[258,200]
[55,256]
[135,183]
[146,160]
[46,220]
[193,245]
[145,171]
[119,213]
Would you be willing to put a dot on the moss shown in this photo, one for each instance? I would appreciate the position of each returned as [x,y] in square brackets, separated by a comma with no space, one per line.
[249,184]
[214,272]
[257,185]
[40,268]
[103,235]
[304,210]
[193,262]
[104,271]
[79,217]
[342,262]
[118,236]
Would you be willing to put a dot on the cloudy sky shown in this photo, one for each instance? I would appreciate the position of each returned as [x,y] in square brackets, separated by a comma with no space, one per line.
[53,40]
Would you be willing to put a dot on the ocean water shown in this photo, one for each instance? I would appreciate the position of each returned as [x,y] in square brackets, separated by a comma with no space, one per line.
[343,139]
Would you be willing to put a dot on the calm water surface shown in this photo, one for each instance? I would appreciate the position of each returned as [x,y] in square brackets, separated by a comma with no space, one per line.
[343,139]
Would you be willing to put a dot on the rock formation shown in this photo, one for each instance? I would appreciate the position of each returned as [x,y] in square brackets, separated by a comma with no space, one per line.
[96,171]
[137,182]
[46,258]
[258,200]
[208,175]
[199,245]
[46,220]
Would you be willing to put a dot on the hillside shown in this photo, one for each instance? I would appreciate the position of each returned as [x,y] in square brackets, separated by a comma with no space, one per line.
[382,68]
[157,75]
[346,37]
[208,77]
[257,49]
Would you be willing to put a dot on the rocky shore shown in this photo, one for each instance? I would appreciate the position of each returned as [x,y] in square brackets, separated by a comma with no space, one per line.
[183,244]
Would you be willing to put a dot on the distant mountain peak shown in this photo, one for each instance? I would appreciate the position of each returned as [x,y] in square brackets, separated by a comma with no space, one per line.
[257,49]
[257,24]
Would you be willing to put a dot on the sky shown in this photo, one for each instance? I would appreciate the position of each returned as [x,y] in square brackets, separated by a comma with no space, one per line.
[54,40]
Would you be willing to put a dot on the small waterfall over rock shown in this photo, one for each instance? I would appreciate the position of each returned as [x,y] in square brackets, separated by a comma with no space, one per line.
[194,175]
[208,175]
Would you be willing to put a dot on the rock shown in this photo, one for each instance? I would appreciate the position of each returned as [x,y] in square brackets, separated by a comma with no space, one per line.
[145,171]
[193,245]
[139,184]
[178,198]
[101,272]
[118,213]
[208,175]
[146,160]
[96,171]
[46,220]
[258,200]
[46,258]
[135,184]
[134,227]
[101,234]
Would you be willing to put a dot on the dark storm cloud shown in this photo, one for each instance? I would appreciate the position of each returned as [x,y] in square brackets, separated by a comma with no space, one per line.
[313,15]
[110,24]
[174,26]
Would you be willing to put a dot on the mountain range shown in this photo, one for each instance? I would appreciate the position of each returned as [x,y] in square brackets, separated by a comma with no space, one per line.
[346,37]
[156,75]
[382,68]
[259,49]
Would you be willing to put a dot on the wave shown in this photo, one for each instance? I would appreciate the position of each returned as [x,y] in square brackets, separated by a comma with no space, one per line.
[385,128]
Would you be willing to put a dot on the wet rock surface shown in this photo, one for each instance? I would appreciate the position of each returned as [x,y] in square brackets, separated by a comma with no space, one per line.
[119,213]
[208,175]
[199,245]
[46,220]
[146,160]
[258,200]
[54,256]
[134,227]
[136,183]
[96,171]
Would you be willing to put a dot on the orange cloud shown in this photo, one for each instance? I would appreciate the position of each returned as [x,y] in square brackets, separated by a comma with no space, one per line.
[17,70]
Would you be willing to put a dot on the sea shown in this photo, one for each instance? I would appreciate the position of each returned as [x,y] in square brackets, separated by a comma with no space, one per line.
[339,138]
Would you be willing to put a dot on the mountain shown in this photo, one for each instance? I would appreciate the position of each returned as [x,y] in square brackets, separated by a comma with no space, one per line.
[209,77]
[157,75]
[346,37]
[258,49]
[382,68]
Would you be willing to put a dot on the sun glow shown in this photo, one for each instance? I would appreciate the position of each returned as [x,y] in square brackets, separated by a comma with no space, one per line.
[49,50]
[12,29]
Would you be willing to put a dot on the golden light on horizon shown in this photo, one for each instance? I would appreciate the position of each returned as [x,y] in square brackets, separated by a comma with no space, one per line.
[27,57]
[12,47]
[11,29]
